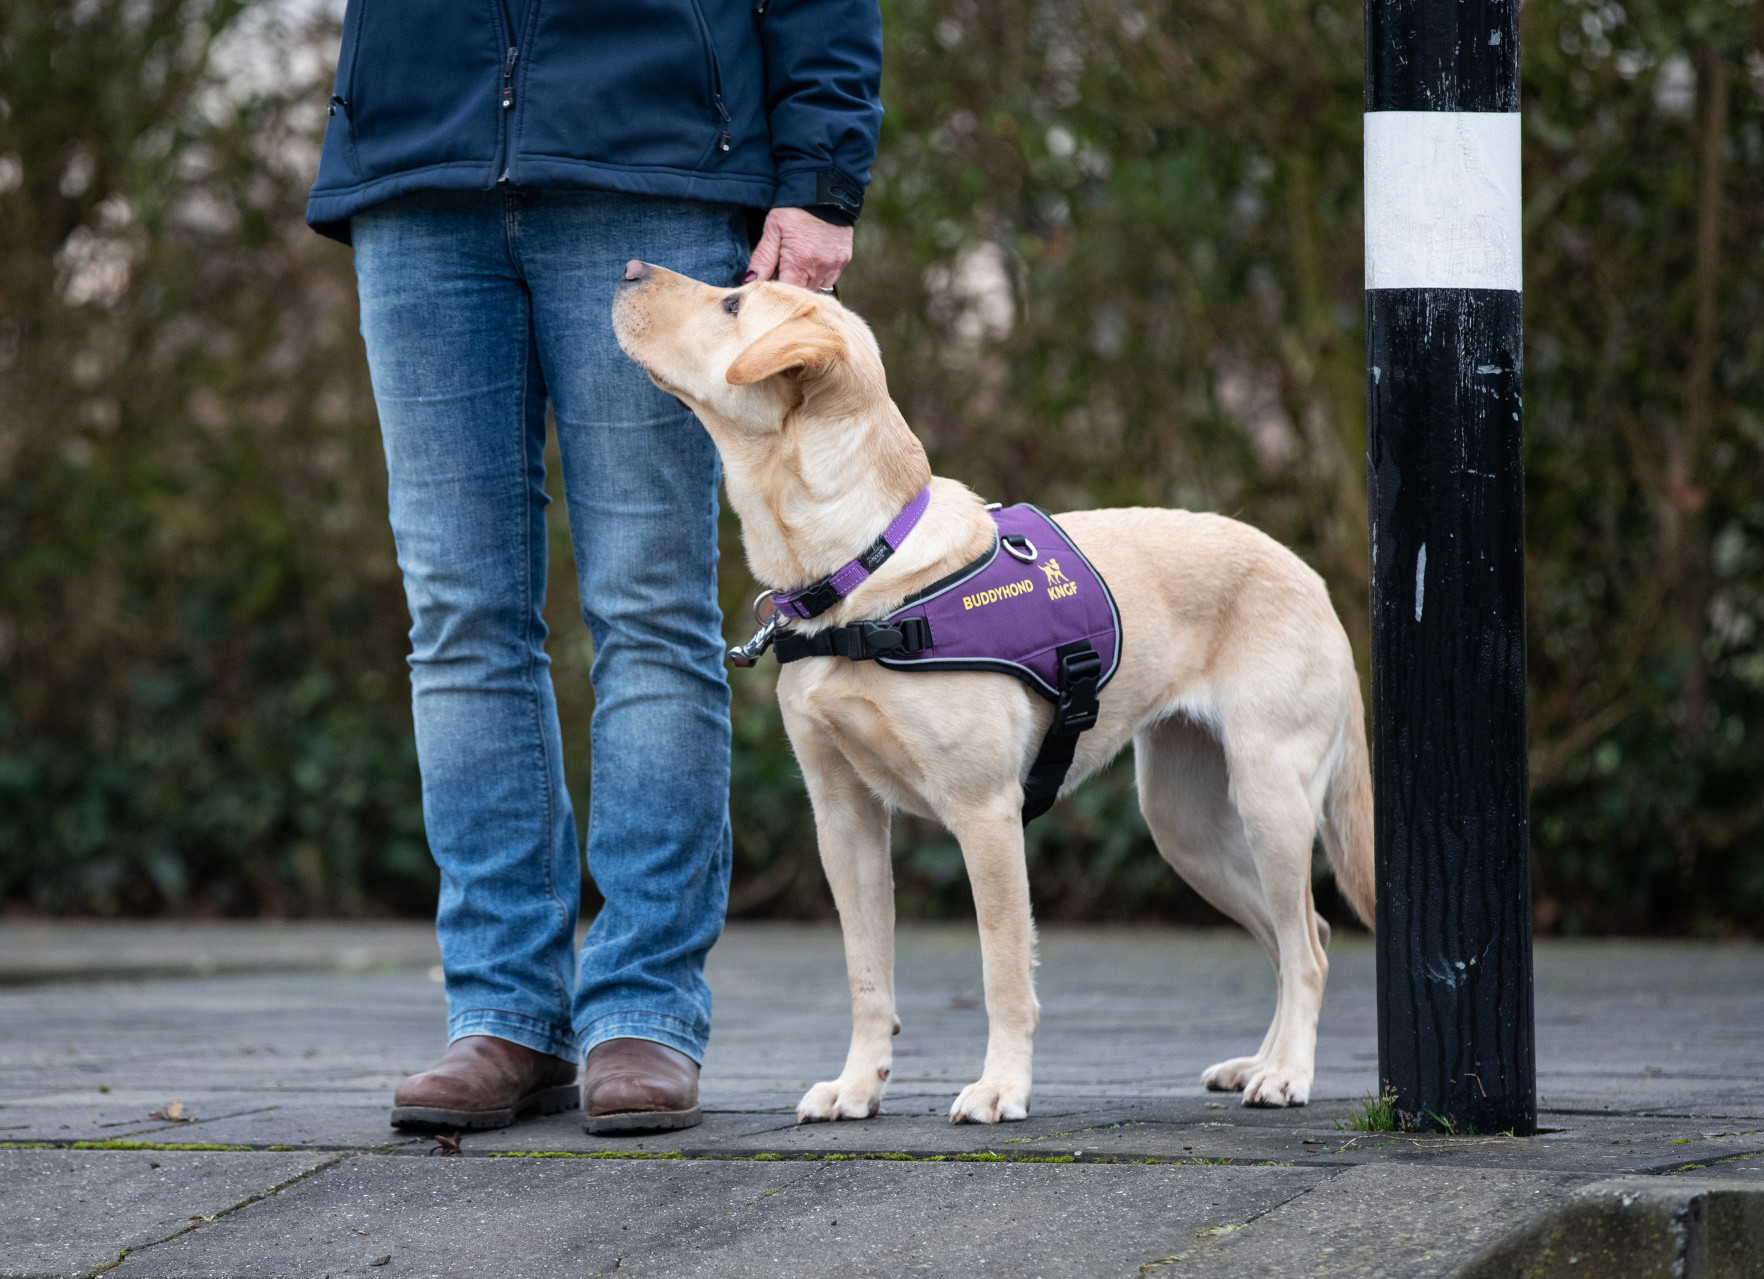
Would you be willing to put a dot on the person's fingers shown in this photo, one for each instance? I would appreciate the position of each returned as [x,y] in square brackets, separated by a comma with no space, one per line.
[764,263]
[832,252]
[799,248]
[796,263]
[818,265]
[836,263]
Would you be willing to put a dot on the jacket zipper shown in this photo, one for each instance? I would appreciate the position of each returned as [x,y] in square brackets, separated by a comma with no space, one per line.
[716,73]
[508,66]
[508,99]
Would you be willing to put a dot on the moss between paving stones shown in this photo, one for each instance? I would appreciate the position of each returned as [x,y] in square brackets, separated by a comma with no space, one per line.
[1715,1136]
[1070,1132]
[892,1156]
[766,1156]
[583,1154]
[1712,1163]
[124,1145]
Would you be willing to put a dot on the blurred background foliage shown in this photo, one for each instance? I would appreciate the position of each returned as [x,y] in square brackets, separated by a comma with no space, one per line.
[1113,256]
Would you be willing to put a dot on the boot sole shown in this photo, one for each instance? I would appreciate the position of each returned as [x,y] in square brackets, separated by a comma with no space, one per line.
[633,1122]
[547,1101]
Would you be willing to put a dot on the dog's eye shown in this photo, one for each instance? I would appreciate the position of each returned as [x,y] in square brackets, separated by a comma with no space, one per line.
[732,303]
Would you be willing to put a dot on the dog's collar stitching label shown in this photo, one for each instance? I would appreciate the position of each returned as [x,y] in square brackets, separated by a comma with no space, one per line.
[811,601]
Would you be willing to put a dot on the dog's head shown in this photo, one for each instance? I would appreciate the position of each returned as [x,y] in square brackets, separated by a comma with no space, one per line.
[746,359]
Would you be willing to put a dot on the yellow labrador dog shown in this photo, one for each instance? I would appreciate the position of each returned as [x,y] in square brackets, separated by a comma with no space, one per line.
[1235,684]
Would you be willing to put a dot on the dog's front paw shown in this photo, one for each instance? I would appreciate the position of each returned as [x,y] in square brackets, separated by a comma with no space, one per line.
[990,1102]
[838,1099]
[1278,1086]
[1231,1076]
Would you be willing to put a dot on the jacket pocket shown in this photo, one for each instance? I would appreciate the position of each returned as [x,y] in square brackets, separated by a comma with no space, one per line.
[629,83]
[422,84]
[715,71]
[341,122]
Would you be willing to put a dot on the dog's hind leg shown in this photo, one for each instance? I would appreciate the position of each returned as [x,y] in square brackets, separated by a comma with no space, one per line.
[851,826]
[991,836]
[1186,795]
[1273,781]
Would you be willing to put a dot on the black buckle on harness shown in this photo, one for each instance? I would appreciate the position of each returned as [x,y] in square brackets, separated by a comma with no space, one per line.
[858,642]
[1074,711]
[862,641]
[1076,708]
[915,635]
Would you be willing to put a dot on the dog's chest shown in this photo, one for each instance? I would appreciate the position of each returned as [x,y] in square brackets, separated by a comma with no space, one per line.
[915,740]
[845,705]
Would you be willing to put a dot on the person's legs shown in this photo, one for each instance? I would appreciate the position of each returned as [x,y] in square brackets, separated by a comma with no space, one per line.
[450,342]
[640,476]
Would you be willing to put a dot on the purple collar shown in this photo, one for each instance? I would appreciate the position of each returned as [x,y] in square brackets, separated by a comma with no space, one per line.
[812,601]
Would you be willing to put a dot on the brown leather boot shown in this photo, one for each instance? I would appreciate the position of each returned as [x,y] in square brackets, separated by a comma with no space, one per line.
[632,1086]
[484,1082]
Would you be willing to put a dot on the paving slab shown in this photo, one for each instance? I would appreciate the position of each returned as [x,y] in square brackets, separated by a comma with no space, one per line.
[305,1124]
[448,1217]
[1159,1130]
[191,1039]
[69,1212]
[1025,1222]
[70,950]
[1382,1220]
[1651,1027]
[524,1217]
[129,1113]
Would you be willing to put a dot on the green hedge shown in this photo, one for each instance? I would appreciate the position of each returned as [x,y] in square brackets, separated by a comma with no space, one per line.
[1112,255]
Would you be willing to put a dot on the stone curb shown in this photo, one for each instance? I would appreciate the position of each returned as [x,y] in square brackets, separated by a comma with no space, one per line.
[1637,1228]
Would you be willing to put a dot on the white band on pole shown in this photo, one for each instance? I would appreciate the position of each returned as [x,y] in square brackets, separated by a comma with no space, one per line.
[1442,200]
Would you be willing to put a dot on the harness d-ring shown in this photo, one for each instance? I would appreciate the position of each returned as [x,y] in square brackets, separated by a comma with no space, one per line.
[1026,552]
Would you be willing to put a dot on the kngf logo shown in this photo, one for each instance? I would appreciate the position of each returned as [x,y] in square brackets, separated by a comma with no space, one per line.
[1059,586]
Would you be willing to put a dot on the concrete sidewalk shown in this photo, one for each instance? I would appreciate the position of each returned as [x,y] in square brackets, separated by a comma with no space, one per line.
[1651,1066]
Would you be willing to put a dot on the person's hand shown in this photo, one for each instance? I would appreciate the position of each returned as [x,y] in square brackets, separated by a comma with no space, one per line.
[798,248]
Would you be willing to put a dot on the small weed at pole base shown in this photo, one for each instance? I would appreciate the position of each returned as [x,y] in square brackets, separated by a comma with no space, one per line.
[1447,1126]
[1373,1114]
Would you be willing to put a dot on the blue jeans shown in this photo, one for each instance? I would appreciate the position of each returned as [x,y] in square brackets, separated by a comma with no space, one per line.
[478,309]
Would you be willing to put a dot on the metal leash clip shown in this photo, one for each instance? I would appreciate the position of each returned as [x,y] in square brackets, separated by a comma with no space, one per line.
[771,621]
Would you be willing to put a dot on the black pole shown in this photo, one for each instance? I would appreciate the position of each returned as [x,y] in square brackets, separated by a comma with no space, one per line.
[1448,563]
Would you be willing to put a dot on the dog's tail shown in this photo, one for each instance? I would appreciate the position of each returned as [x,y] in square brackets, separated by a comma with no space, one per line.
[1347,816]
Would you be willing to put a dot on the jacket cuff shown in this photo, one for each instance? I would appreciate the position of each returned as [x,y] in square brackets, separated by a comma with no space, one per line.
[831,213]
[829,194]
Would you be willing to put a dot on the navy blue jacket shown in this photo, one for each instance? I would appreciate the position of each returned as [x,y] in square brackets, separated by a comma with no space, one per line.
[764,103]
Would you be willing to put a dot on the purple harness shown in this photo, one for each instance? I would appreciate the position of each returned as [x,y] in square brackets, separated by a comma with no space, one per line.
[1022,609]
[1032,607]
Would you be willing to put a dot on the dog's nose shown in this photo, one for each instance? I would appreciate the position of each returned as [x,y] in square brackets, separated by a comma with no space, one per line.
[635,271]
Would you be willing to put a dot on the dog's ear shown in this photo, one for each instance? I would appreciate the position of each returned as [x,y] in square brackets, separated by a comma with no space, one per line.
[801,346]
